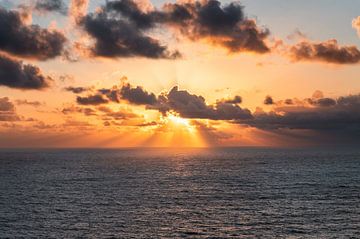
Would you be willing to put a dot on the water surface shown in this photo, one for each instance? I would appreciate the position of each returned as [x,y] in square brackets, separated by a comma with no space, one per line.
[159,193]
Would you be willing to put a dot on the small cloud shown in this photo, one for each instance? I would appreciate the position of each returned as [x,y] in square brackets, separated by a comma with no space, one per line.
[15,74]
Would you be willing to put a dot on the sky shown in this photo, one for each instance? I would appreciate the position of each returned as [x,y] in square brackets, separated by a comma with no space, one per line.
[139,73]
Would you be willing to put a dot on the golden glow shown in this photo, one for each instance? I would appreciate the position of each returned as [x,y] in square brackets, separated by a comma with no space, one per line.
[180,122]
[174,131]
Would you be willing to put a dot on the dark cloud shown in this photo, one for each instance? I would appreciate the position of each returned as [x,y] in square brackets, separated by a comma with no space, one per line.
[336,115]
[134,95]
[28,41]
[116,37]
[235,100]
[15,74]
[268,100]
[120,28]
[7,110]
[77,90]
[180,101]
[323,102]
[92,100]
[6,105]
[225,25]
[51,6]
[112,94]
[148,124]
[192,106]
[130,10]
[137,95]
[329,51]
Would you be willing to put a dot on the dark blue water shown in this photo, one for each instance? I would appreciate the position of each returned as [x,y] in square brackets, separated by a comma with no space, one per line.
[219,193]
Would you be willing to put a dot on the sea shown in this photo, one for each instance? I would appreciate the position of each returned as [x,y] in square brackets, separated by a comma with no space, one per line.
[180,193]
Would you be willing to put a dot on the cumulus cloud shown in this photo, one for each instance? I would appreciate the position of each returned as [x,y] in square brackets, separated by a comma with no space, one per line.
[121,28]
[324,117]
[268,100]
[137,95]
[92,100]
[120,38]
[28,41]
[15,74]
[7,110]
[126,92]
[323,102]
[77,90]
[180,101]
[329,51]
[224,25]
[235,100]
[193,106]
[51,6]
[323,114]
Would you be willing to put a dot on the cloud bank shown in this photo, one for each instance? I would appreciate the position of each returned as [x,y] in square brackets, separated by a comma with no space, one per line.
[329,51]
[15,74]
[122,29]
[29,41]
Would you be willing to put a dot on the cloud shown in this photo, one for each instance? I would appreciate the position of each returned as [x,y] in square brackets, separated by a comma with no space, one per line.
[28,41]
[148,124]
[74,109]
[77,90]
[131,10]
[133,95]
[92,100]
[137,95]
[297,34]
[30,103]
[225,25]
[356,24]
[116,37]
[121,28]
[329,51]
[7,110]
[325,115]
[193,106]
[15,74]
[180,101]
[268,100]
[51,6]
[235,100]
[323,102]
[117,115]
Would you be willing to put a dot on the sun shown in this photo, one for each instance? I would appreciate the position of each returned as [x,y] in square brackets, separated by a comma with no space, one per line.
[180,122]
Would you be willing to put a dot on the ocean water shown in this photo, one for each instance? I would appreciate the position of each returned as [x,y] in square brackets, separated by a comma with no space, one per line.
[180,193]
